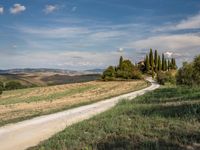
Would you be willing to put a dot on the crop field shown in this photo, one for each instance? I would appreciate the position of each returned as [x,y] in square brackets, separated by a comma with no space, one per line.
[23,104]
[168,118]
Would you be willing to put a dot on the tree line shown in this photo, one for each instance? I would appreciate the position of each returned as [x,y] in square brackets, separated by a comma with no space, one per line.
[154,62]
[124,70]
[10,85]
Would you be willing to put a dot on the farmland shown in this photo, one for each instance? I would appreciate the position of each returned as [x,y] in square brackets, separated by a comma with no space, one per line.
[22,104]
[168,118]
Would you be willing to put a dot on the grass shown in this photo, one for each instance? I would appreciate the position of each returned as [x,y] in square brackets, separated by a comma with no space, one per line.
[168,118]
[19,105]
[49,97]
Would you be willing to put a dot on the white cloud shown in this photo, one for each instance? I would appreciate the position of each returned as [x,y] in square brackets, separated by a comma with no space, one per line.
[75,60]
[167,42]
[74,8]
[168,54]
[1,10]
[120,50]
[17,8]
[50,8]
[192,22]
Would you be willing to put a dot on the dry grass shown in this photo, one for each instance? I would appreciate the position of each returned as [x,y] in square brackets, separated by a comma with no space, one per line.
[26,103]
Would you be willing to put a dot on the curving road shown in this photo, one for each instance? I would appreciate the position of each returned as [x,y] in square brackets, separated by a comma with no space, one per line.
[29,133]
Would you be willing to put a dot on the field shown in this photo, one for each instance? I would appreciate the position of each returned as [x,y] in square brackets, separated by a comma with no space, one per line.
[47,78]
[27,103]
[168,118]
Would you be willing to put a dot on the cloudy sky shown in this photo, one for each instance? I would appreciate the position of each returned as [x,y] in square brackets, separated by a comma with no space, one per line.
[86,34]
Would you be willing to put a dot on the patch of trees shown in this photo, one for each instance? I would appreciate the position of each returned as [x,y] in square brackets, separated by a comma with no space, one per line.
[189,73]
[125,70]
[10,85]
[154,63]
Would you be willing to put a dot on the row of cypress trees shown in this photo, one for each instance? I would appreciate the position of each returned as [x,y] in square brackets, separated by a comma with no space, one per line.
[154,62]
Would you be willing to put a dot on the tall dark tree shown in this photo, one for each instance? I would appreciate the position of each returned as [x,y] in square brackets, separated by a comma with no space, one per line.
[166,66]
[173,63]
[151,61]
[120,62]
[163,62]
[156,60]
[147,65]
[159,64]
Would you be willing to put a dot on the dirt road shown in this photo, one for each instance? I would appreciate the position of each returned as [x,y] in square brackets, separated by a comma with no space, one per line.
[29,133]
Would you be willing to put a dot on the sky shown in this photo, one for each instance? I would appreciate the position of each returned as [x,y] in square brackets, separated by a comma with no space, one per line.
[88,34]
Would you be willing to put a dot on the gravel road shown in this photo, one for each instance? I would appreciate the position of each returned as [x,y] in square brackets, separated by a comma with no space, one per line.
[20,136]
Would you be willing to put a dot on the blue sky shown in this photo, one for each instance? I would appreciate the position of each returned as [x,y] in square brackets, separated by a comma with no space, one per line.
[86,34]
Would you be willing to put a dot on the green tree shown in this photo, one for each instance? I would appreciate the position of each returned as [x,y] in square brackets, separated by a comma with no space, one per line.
[120,62]
[196,72]
[156,60]
[163,62]
[1,87]
[151,61]
[109,73]
[13,85]
[147,65]
[159,64]
[166,66]
[185,74]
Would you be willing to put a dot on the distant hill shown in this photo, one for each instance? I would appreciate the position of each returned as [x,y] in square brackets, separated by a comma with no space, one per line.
[47,70]
[44,76]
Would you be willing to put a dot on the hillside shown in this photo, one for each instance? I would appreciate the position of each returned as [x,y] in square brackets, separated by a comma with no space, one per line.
[44,77]
[17,105]
[168,118]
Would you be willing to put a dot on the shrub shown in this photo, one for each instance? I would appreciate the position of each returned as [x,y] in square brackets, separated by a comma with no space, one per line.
[185,74]
[1,90]
[196,70]
[12,85]
[165,77]
[109,73]
[136,74]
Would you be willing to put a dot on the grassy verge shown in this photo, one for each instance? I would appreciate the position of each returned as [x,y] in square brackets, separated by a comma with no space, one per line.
[168,118]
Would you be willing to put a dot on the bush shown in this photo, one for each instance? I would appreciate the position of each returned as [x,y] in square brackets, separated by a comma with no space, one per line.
[196,70]
[185,74]
[12,85]
[109,73]
[136,74]
[1,90]
[165,77]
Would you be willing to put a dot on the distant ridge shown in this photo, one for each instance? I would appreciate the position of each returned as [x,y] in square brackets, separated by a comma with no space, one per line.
[45,70]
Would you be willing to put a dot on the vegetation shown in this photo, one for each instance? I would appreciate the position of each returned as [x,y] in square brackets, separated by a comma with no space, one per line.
[167,118]
[13,85]
[125,70]
[154,63]
[189,74]
[165,77]
[1,87]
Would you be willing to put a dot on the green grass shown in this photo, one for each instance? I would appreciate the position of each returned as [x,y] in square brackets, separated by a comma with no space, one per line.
[168,118]
[50,97]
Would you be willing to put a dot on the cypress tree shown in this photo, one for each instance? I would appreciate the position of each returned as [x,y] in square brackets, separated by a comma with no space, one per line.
[175,66]
[169,65]
[165,66]
[156,60]
[163,62]
[151,61]
[159,64]
[147,66]
[120,62]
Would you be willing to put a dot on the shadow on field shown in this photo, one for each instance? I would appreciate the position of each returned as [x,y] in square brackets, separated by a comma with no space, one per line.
[174,111]
[169,95]
[133,142]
